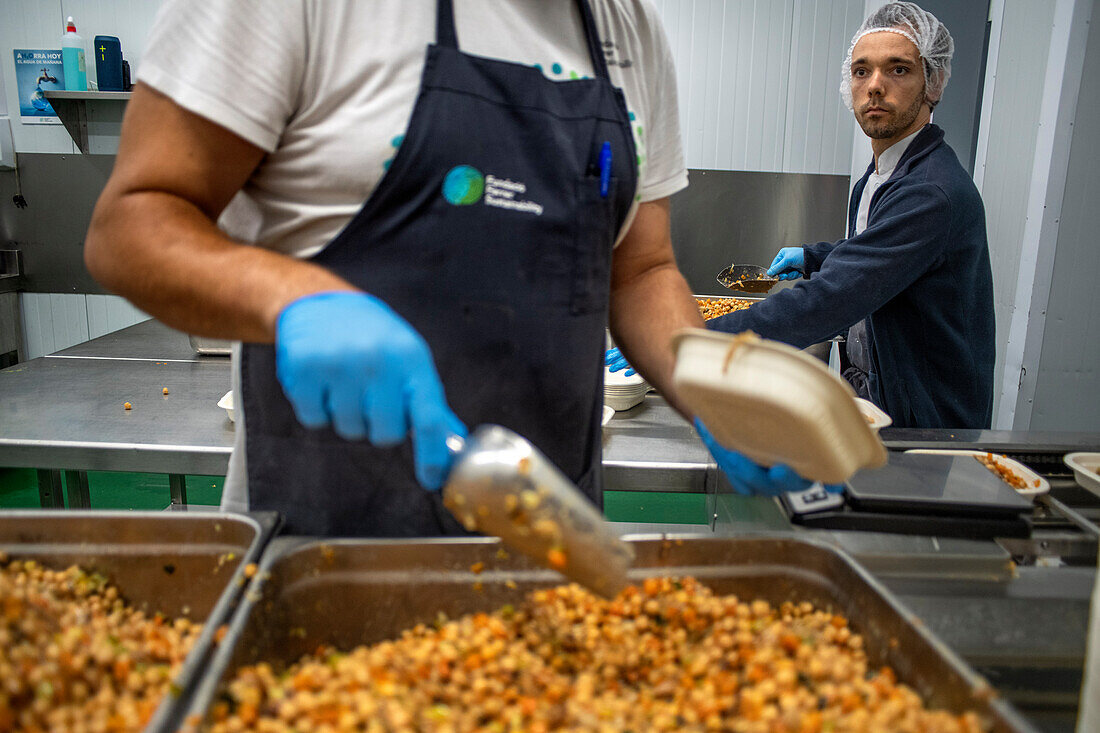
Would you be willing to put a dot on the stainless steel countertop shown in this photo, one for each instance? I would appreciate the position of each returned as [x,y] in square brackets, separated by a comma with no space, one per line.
[66,411]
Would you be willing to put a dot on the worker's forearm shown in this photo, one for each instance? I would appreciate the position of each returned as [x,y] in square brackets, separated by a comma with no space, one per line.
[167,257]
[645,312]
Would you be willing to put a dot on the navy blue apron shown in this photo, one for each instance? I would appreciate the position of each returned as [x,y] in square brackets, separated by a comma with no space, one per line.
[491,233]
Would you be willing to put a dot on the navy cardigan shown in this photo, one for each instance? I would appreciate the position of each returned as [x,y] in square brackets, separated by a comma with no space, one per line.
[920,273]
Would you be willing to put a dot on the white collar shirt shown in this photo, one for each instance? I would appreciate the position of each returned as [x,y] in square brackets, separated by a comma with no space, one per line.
[887,162]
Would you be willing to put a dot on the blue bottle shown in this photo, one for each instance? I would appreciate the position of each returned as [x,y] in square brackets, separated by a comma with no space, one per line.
[108,63]
[72,58]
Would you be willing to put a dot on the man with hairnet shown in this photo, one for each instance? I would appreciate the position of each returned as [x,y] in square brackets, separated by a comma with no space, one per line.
[912,281]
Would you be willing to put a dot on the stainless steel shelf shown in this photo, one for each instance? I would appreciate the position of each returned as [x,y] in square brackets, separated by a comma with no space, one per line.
[93,119]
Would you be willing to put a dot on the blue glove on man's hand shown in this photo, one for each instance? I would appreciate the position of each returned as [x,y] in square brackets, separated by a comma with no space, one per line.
[750,478]
[615,361]
[789,263]
[347,359]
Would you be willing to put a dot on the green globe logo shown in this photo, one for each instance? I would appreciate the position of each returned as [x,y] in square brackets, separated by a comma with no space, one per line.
[463,185]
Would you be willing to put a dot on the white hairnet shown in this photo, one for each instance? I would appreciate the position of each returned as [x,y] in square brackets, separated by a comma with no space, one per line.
[927,33]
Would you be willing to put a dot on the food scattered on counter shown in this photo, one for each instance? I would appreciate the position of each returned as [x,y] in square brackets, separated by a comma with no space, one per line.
[74,656]
[127,406]
[669,655]
[1010,477]
[164,391]
[714,307]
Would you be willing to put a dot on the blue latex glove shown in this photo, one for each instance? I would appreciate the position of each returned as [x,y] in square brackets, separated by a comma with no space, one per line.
[789,263]
[749,478]
[615,361]
[347,359]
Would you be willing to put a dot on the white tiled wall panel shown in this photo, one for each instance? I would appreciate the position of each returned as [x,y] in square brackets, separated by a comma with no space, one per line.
[759,80]
[107,313]
[53,321]
[1021,66]
[1067,391]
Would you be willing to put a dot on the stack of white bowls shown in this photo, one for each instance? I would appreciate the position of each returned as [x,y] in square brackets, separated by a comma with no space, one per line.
[621,392]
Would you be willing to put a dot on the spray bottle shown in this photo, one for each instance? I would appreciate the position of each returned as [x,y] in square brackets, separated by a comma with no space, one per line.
[72,58]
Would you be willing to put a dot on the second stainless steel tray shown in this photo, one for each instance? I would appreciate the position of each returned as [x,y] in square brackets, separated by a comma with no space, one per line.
[349,592]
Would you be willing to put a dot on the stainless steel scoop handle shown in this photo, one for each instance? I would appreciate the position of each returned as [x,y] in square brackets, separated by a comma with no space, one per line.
[501,485]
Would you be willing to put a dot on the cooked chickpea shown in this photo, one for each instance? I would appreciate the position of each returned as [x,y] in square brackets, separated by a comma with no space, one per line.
[668,655]
[74,657]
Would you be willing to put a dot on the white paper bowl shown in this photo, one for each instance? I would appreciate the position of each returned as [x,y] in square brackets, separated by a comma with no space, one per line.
[1036,484]
[874,416]
[774,404]
[618,403]
[226,403]
[1086,469]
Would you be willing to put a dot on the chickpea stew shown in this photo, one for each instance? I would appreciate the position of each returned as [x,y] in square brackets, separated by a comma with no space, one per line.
[668,654]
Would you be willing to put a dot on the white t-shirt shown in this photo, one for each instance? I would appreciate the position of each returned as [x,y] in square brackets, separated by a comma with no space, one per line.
[326,88]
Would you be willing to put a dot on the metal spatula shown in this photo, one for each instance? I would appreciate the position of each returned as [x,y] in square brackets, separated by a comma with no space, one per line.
[502,485]
[747,278]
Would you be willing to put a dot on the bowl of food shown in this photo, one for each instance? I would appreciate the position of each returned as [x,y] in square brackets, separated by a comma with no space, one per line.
[1086,469]
[1015,474]
[226,403]
[874,416]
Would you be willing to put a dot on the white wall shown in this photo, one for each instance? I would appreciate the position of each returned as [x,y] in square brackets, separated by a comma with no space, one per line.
[758,86]
[1007,151]
[759,80]
[53,321]
[56,321]
[1021,168]
[1067,385]
[40,24]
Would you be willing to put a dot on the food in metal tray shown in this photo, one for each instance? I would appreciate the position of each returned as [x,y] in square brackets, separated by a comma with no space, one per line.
[668,655]
[714,307]
[75,656]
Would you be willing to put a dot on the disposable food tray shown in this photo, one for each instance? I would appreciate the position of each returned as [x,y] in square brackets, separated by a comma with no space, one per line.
[774,404]
[180,564]
[345,593]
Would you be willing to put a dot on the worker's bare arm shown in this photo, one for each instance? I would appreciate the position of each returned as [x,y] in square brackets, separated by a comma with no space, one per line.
[153,237]
[650,300]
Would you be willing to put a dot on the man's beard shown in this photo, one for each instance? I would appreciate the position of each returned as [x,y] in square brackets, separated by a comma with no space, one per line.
[890,127]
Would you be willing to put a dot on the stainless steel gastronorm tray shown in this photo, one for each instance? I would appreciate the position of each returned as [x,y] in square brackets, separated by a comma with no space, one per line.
[180,564]
[350,592]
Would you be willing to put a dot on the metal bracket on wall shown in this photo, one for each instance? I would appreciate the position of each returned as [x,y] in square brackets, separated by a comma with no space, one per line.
[73,110]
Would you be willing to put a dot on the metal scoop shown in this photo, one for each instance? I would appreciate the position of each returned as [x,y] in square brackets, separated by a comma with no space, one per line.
[747,278]
[502,485]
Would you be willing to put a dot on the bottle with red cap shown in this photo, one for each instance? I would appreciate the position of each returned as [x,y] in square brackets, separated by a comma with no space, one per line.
[72,58]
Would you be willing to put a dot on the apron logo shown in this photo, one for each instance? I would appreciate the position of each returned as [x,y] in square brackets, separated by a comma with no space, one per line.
[463,185]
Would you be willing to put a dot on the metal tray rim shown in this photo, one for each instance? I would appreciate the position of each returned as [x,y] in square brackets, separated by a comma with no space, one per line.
[281,547]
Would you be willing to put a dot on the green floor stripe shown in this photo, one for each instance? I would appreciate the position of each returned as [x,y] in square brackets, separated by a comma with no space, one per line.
[111,490]
[652,506]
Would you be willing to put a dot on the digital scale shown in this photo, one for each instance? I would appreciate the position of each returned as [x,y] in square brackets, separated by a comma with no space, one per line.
[946,496]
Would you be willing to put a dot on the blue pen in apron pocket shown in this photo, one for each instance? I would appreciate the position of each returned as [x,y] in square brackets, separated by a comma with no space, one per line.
[605,169]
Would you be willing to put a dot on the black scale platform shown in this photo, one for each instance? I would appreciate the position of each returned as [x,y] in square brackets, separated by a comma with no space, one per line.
[945,496]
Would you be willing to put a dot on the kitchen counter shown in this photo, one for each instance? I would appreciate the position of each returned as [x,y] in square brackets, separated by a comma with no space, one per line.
[1023,626]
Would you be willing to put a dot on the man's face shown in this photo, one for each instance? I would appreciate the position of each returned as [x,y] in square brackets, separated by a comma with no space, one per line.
[887,85]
